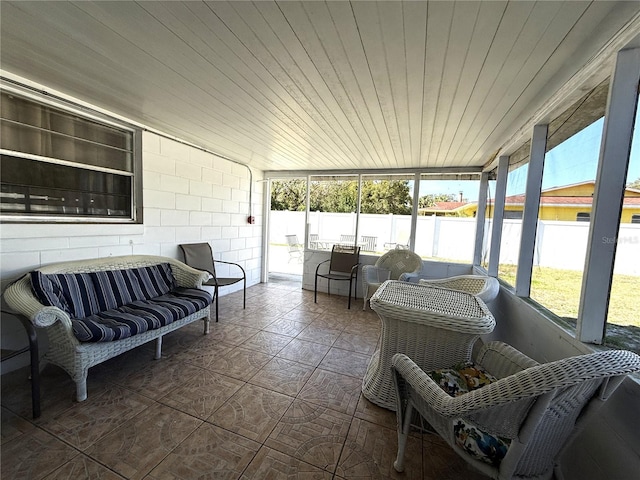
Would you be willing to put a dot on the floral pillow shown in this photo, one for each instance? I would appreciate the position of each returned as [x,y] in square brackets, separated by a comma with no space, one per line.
[462,378]
[457,381]
[479,444]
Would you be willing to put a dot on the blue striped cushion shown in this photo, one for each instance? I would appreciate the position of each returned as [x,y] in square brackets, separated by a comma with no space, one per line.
[71,292]
[85,294]
[140,316]
[115,288]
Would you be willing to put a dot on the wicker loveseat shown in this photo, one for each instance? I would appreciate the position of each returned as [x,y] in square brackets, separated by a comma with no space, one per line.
[96,309]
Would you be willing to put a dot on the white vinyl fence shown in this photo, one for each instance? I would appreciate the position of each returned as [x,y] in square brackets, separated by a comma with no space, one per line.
[559,244]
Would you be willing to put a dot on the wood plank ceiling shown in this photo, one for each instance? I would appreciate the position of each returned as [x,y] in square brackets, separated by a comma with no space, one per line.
[315,85]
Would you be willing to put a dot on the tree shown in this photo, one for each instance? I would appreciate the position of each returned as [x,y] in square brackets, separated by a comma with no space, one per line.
[431,199]
[386,196]
[341,196]
[635,184]
[288,195]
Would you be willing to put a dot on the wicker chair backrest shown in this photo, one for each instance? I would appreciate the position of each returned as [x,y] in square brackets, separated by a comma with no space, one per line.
[399,261]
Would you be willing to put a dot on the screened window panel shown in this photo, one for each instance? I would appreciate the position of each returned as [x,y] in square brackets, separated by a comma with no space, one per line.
[59,164]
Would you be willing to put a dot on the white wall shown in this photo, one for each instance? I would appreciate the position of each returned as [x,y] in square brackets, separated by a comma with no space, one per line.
[189,196]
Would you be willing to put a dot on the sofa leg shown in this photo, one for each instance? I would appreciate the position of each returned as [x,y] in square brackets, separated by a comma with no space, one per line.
[158,348]
[206,325]
[81,388]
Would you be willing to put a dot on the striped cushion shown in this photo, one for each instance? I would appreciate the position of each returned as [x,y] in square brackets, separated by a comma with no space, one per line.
[140,316]
[85,294]
[115,288]
[71,292]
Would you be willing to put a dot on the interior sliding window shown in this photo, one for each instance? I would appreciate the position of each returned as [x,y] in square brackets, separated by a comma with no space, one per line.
[60,165]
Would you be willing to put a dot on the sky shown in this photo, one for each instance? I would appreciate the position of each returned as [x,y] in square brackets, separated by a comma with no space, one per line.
[573,161]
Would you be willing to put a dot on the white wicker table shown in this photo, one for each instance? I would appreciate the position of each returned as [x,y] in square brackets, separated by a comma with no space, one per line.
[435,327]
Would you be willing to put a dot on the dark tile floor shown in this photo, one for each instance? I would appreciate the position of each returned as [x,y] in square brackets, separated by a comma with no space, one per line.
[272,392]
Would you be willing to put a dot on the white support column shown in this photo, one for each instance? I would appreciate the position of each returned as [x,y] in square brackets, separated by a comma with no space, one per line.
[307,213]
[608,197]
[358,205]
[414,212]
[498,216]
[480,219]
[531,208]
[266,215]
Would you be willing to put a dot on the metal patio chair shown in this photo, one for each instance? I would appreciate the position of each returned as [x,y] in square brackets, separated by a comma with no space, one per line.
[369,243]
[200,256]
[342,266]
[296,249]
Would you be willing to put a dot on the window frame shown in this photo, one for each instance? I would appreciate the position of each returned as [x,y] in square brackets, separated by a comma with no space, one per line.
[91,116]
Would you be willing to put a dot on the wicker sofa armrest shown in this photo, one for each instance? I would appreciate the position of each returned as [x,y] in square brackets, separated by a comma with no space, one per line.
[20,298]
[186,276]
[486,288]
[370,274]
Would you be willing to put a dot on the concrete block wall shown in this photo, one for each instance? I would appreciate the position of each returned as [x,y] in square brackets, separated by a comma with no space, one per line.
[188,196]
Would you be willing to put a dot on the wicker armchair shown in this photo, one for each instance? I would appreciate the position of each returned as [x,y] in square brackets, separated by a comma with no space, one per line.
[389,266]
[486,288]
[529,414]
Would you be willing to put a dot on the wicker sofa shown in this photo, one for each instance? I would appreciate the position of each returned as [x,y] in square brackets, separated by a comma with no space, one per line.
[96,309]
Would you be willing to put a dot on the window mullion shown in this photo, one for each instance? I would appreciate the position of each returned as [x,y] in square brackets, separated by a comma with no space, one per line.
[480,219]
[531,210]
[498,215]
[608,197]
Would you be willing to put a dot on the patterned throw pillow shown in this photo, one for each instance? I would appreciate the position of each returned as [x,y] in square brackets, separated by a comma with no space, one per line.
[479,444]
[475,376]
[449,380]
[460,379]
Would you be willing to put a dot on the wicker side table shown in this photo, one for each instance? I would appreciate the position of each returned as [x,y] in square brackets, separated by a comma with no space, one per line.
[435,327]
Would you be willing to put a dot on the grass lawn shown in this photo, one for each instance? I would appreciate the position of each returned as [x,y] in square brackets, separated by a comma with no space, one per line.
[559,291]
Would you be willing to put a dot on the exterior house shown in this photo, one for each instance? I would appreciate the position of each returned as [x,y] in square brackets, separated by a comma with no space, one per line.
[453,209]
[573,203]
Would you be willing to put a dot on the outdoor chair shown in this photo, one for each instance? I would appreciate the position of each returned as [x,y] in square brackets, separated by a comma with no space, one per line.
[507,415]
[200,256]
[347,239]
[482,286]
[296,249]
[369,243]
[390,266]
[314,244]
[342,266]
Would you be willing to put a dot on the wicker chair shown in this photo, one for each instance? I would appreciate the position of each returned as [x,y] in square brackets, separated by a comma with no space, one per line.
[389,266]
[532,410]
[486,288]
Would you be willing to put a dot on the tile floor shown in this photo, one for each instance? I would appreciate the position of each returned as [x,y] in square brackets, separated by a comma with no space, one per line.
[272,392]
